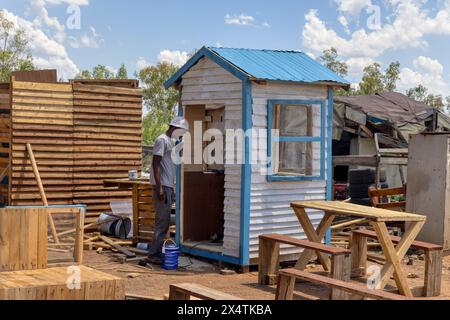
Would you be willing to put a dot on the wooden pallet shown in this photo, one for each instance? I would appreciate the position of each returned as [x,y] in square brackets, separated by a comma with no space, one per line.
[52,284]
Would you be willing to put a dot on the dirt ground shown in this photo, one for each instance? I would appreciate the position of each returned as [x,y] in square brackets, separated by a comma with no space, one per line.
[155,283]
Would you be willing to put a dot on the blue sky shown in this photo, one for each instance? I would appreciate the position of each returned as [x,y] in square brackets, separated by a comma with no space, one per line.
[138,32]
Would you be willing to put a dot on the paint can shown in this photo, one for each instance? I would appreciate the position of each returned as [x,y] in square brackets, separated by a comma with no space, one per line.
[170,254]
[132,174]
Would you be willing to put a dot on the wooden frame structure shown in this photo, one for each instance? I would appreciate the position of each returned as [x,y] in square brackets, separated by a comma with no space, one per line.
[81,133]
[143,210]
[26,243]
[377,218]
[433,260]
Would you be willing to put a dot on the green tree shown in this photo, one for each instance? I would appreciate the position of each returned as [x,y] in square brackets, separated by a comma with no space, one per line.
[376,81]
[122,73]
[14,49]
[101,72]
[372,80]
[420,93]
[159,102]
[391,76]
[330,59]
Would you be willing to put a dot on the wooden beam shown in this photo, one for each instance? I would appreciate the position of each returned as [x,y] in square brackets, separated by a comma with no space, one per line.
[42,191]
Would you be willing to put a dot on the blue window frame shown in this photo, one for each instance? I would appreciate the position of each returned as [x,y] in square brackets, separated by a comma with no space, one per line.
[271,176]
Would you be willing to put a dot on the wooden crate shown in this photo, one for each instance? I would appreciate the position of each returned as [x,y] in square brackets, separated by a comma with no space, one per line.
[23,239]
[52,284]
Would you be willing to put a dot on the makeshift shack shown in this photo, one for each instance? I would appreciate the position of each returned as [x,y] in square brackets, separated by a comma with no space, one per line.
[374,131]
[222,208]
[81,133]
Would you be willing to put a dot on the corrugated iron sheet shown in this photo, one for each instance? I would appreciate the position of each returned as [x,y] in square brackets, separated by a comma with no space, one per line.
[278,65]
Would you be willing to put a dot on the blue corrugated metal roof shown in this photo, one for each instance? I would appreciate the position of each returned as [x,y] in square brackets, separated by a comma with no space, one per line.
[273,65]
[278,65]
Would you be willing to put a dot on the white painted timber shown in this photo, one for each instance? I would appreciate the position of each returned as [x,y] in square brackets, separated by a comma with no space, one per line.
[270,210]
[209,84]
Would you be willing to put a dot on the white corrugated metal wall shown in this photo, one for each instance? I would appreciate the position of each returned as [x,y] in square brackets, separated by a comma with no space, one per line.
[208,84]
[270,201]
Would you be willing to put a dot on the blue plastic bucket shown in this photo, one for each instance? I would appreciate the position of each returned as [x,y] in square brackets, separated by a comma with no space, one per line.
[170,254]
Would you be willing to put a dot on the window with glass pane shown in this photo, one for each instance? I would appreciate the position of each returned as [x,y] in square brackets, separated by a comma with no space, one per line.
[294,152]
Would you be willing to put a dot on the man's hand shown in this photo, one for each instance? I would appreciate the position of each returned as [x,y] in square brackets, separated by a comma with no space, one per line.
[161,196]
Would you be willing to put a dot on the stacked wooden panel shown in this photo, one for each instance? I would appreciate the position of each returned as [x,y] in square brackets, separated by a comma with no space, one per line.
[23,239]
[78,283]
[107,142]
[144,216]
[5,136]
[42,115]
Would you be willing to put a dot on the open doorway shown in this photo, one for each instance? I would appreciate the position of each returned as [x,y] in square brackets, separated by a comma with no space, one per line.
[203,186]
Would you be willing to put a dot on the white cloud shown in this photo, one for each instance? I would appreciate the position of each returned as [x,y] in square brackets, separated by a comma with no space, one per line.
[47,52]
[428,65]
[352,7]
[88,40]
[141,63]
[242,19]
[176,57]
[410,24]
[426,71]
[356,65]
[344,22]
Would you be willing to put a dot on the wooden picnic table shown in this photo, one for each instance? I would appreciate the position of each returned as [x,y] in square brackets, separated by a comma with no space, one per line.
[377,218]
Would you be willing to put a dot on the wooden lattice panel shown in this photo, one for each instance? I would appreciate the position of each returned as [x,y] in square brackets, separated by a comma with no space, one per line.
[107,142]
[42,115]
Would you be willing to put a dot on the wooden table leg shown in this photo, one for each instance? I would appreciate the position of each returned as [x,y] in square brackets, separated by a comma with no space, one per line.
[395,255]
[269,260]
[401,249]
[314,236]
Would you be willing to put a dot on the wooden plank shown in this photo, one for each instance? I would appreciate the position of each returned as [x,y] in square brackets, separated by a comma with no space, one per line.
[119,248]
[339,284]
[392,258]
[269,255]
[433,273]
[198,291]
[346,209]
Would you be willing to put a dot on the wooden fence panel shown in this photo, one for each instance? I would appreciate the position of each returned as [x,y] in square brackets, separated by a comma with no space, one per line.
[42,115]
[107,142]
[5,137]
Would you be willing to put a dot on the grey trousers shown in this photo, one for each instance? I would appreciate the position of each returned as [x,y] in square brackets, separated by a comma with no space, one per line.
[162,219]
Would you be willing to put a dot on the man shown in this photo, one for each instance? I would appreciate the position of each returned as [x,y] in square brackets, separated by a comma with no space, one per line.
[162,178]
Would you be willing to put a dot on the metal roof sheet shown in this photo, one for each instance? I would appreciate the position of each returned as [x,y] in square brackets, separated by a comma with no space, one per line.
[275,65]
[279,65]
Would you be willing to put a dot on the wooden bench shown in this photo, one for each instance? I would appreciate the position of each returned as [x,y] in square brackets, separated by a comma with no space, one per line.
[269,258]
[433,259]
[185,291]
[287,277]
[376,196]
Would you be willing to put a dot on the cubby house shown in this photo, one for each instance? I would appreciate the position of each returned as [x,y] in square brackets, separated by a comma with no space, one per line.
[223,208]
